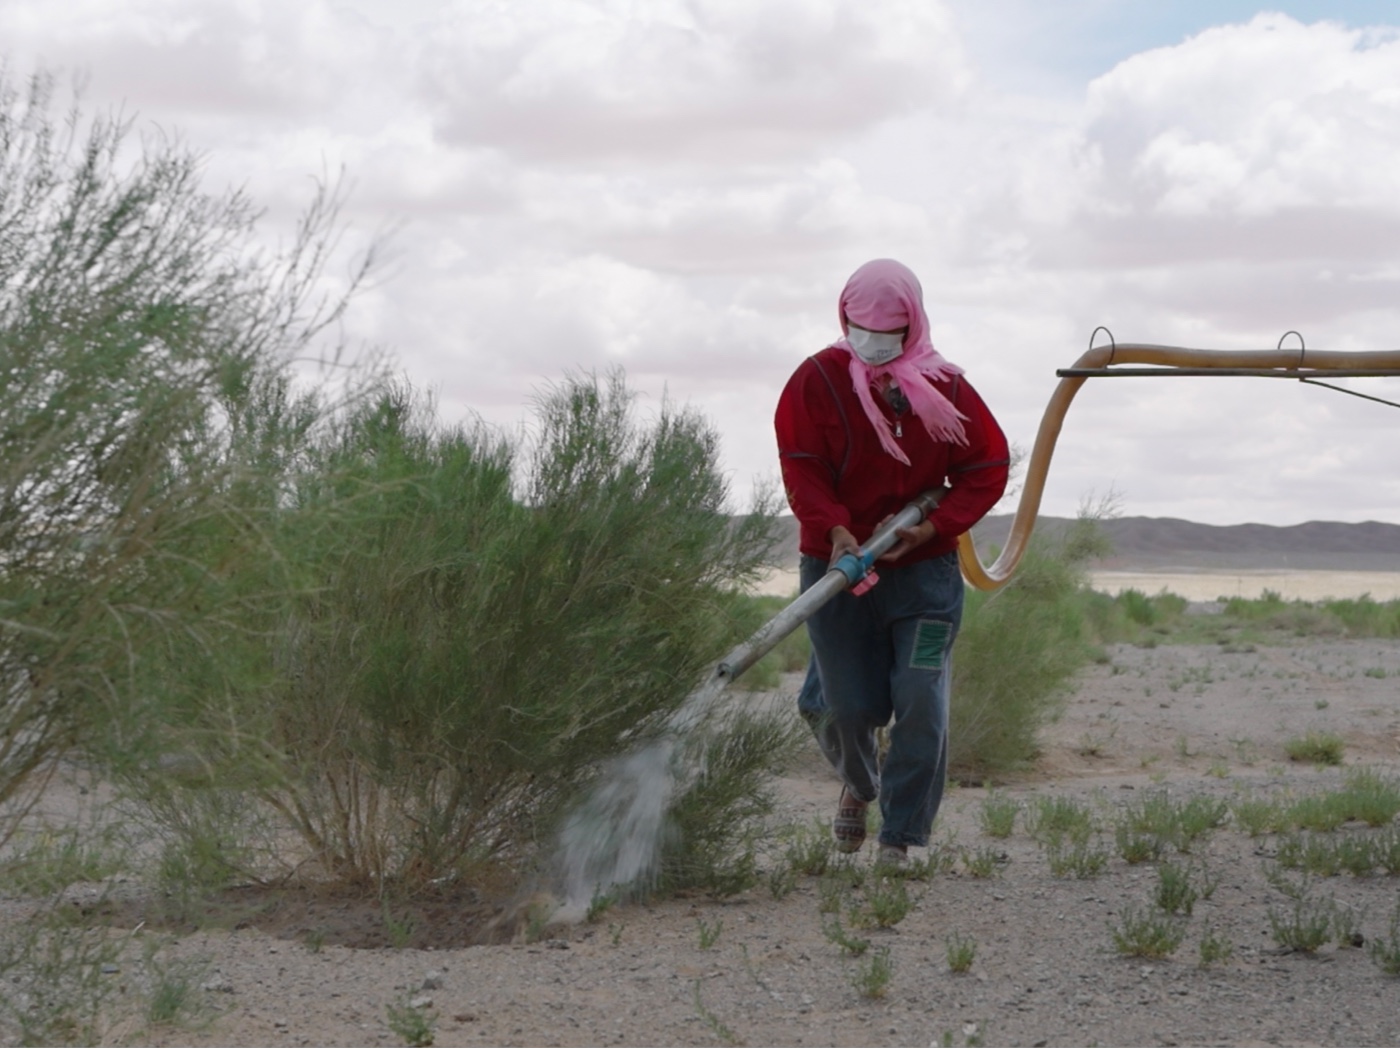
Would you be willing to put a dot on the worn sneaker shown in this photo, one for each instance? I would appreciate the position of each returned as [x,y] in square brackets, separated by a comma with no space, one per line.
[892,855]
[849,825]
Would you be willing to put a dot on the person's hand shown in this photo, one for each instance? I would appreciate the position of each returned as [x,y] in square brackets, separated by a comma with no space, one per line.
[909,538]
[842,543]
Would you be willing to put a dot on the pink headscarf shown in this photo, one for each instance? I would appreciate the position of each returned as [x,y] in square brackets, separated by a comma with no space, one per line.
[880,296]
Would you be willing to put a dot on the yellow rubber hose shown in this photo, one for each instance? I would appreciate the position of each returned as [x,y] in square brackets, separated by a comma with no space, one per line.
[1286,363]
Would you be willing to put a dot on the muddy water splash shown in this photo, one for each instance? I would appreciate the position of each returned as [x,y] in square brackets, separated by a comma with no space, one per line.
[612,841]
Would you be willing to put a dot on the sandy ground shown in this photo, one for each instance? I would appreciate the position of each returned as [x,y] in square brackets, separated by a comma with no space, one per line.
[1291,586]
[759,970]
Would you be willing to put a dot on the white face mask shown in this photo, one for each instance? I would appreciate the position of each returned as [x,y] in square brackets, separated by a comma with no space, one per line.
[874,347]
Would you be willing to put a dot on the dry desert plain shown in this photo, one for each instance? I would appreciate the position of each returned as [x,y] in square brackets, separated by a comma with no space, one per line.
[1169,724]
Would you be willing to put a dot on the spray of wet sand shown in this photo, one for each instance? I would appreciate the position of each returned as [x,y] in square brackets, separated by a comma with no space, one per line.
[611,844]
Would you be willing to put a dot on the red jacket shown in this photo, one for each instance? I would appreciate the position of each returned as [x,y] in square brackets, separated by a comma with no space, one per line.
[836,473]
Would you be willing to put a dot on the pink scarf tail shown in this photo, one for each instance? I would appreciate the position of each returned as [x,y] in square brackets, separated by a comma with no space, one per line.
[940,418]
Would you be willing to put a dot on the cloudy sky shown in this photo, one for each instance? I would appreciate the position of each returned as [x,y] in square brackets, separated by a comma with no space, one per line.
[681,187]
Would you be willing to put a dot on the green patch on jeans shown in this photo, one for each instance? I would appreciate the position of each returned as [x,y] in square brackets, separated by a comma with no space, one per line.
[930,642]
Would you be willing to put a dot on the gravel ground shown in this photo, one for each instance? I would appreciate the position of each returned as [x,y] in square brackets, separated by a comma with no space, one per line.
[299,969]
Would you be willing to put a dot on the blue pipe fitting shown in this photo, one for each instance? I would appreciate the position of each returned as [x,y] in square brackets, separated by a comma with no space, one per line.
[854,567]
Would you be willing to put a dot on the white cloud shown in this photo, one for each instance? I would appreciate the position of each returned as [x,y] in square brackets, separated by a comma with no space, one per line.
[681,186]
[1251,121]
[728,224]
[705,82]
[273,61]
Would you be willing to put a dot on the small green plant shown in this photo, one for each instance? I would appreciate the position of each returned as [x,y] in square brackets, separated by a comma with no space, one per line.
[1372,797]
[886,904]
[837,884]
[1076,860]
[1256,816]
[1327,856]
[961,951]
[855,946]
[847,873]
[1319,812]
[831,896]
[1302,927]
[809,848]
[1214,948]
[1385,850]
[1246,751]
[940,858]
[1147,933]
[1346,926]
[1198,817]
[1170,821]
[1094,744]
[400,930]
[615,933]
[873,973]
[1136,846]
[781,881]
[1277,877]
[599,905]
[538,916]
[315,939]
[47,861]
[1357,855]
[1385,950]
[1175,892]
[713,1022]
[173,995]
[56,990]
[1316,748]
[1152,813]
[972,1036]
[998,815]
[709,932]
[414,1024]
[1051,820]
[983,862]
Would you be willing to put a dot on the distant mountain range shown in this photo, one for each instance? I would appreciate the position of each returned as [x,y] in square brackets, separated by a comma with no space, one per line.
[1168,543]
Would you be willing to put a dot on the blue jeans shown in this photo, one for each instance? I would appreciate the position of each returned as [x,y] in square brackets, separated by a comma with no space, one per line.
[881,656]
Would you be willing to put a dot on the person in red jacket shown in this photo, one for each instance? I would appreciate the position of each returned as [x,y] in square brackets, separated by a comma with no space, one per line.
[863,427]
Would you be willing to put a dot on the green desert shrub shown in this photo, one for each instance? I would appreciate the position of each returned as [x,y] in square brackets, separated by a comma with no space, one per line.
[1158,611]
[58,987]
[1359,617]
[1365,617]
[1265,608]
[1133,616]
[1016,652]
[475,632]
[718,819]
[267,609]
[138,319]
